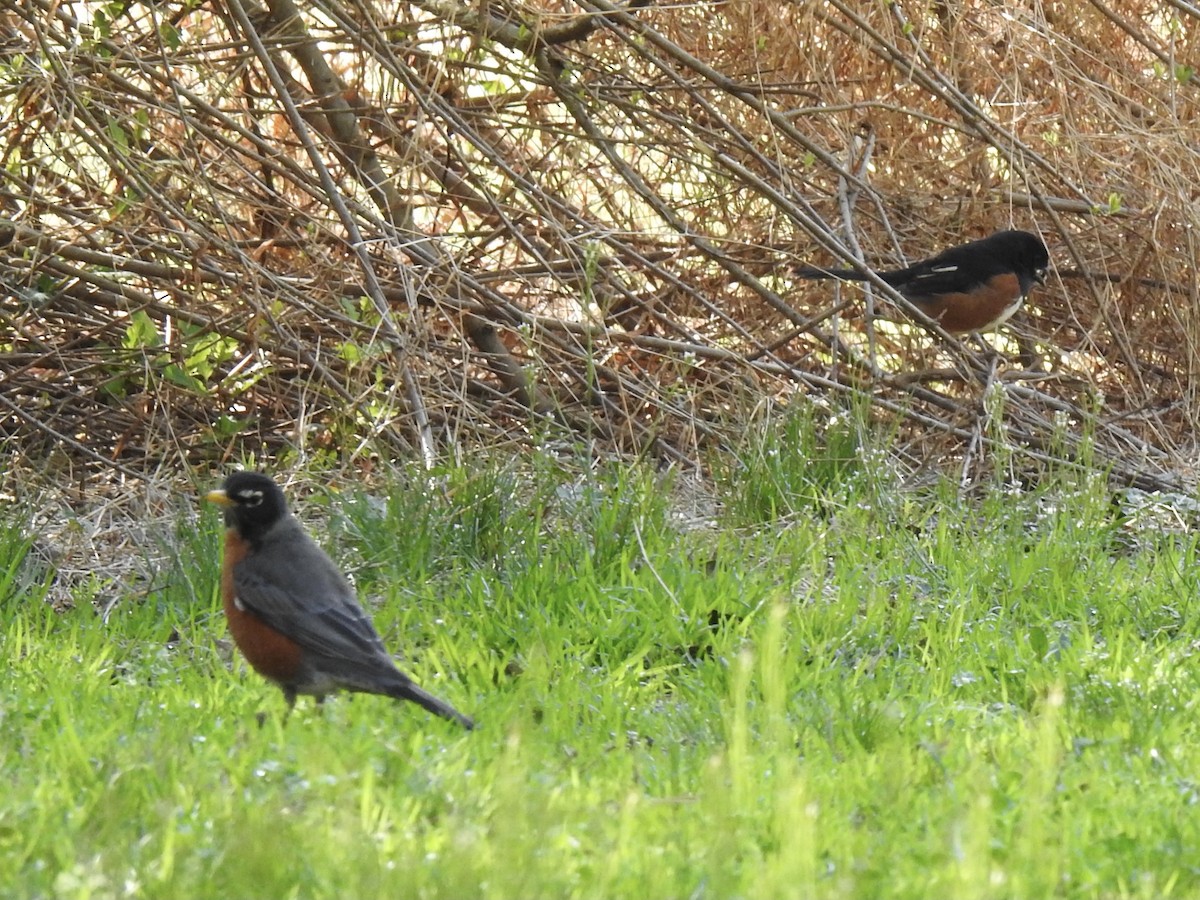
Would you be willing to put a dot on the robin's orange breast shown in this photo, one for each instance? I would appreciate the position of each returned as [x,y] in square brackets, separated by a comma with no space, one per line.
[273,655]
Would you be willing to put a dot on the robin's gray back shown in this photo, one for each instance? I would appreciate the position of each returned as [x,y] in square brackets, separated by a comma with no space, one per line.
[295,588]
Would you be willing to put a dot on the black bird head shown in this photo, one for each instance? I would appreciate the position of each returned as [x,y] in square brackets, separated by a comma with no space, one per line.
[1023,250]
[253,503]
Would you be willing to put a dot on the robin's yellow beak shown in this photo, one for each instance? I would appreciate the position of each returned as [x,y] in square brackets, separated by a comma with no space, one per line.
[218,497]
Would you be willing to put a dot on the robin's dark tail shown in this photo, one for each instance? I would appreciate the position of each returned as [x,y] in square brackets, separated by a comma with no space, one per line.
[406,690]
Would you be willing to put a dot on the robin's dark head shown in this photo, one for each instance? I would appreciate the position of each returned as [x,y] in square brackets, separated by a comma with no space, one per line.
[252,502]
[1024,251]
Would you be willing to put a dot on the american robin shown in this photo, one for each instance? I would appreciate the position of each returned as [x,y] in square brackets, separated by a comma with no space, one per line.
[972,287]
[291,611]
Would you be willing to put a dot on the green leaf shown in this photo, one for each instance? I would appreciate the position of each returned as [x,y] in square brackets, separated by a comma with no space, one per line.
[227,426]
[118,134]
[176,375]
[141,333]
[170,35]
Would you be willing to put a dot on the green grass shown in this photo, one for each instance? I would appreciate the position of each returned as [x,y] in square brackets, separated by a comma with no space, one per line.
[876,694]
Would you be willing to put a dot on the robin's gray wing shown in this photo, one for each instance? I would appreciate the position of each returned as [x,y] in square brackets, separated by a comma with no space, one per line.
[295,588]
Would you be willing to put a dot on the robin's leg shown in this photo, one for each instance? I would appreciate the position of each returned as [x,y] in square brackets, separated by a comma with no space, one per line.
[289,695]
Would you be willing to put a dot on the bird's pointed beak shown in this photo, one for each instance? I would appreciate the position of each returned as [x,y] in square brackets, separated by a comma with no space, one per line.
[1039,275]
[218,497]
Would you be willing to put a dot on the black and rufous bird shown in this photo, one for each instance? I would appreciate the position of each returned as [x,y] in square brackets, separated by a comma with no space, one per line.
[292,613]
[968,288]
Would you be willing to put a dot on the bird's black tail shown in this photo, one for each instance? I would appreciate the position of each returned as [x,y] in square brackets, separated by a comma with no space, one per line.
[829,274]
[893,277]
[406,690]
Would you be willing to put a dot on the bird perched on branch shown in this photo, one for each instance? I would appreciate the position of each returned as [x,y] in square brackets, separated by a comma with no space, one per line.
[291,611]
[969,288]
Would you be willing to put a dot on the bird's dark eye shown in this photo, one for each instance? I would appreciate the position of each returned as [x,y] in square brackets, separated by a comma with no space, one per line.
[251,498]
